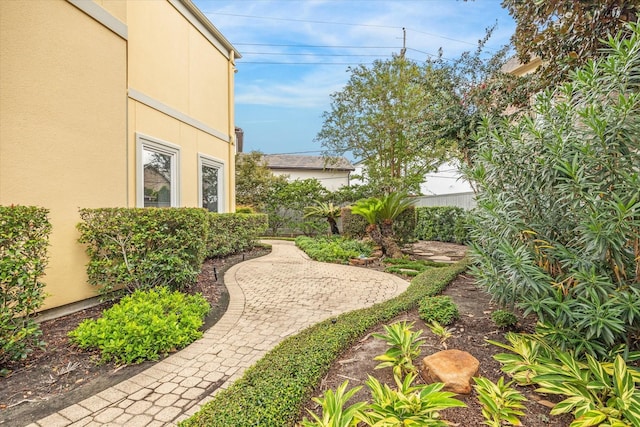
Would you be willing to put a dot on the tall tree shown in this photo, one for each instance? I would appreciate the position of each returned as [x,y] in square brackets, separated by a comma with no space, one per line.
[565,34]
[395,116]
[254,180]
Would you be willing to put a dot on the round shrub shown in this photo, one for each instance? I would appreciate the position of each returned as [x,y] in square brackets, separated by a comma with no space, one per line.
[144,325]
[439,308]
[504,318]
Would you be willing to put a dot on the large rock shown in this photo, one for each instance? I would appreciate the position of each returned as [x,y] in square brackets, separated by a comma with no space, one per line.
[454,368]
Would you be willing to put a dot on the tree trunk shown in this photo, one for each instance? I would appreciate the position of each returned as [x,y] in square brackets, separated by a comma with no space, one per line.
[391,248]
[333,226]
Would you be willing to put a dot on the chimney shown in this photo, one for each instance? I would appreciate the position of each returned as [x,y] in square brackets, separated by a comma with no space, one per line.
[239,139]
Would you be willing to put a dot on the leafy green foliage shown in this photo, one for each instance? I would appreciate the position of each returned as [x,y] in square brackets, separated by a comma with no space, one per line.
[391,115]
[500,402]
[144,325]
[285,203]
[596,393]
[558,233]
[325,210]
[254,180]
[410,267]
[438,308]
[334,414]
[231,233]
[408,404]
[353,226]
[565,33]
[441,332]
[333,249]
[273,390]
[504,318]
[404,347]
[24,237]
[442,223]
[139,248]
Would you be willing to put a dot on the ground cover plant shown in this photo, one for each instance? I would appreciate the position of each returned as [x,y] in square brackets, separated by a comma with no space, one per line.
[409,267]
[334,249]
[144,326]
[558,233]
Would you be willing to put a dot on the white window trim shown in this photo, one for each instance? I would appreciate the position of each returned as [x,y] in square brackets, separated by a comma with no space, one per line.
[154,144]
[205,160]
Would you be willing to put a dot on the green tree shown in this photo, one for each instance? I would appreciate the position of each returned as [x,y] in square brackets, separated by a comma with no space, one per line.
[558,219]
[254,180]
[285,203]
[565,34]
[395,116]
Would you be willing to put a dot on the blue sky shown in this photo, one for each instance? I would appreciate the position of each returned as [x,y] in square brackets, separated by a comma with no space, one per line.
[295,53]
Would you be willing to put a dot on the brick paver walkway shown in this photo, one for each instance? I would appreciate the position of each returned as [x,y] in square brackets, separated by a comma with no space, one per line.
[271,298]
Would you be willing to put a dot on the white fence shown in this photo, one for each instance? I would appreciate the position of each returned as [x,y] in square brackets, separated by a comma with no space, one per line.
[463,200]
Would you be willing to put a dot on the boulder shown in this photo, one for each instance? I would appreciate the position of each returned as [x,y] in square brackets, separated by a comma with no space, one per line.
[454,368]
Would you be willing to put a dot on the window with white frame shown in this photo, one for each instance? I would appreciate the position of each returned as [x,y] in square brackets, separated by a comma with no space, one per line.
[211,178]
[157,173]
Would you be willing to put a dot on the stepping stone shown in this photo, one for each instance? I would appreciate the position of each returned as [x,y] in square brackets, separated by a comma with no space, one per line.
[454,368]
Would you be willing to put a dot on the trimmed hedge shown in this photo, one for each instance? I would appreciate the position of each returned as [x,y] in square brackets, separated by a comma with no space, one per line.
[230,233]
[24,237]
[404,226]
[442,223]
[141,248]
[353,226]
[273,391]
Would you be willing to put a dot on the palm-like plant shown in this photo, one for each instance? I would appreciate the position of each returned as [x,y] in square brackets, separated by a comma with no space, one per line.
[334,414]
[325,210]
[380,213]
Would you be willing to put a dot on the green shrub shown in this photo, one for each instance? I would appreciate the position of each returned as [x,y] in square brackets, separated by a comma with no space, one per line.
[438,308]
[353,226]
[404,346]
[333,249]
[24,234]
[442,223]
[144,325]
[504,318]
[230,233]
[140,248]
[558,233]
[404,225]
[410,267]
[273,391]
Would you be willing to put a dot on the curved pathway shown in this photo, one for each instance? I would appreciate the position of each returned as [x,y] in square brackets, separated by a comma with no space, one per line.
[271,298]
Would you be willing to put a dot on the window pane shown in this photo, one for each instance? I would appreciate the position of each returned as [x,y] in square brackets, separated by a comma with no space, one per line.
[210,188]
[157,179]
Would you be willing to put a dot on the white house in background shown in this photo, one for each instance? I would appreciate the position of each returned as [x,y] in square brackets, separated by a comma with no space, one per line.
[446,180]
[332,175]
[444,187]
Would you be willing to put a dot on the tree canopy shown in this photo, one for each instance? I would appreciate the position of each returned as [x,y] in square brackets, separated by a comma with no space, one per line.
[565,34]
[253,180]
[398,117]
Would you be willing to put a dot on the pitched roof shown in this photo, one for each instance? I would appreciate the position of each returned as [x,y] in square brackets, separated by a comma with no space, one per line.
[291,161]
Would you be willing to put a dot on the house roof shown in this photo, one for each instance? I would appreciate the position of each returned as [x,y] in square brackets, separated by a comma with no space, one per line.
[291,161]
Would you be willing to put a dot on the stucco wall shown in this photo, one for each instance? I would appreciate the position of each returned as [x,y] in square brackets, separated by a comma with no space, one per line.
[62,126]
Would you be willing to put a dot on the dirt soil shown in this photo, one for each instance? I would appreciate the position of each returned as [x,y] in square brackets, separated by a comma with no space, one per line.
[62,375]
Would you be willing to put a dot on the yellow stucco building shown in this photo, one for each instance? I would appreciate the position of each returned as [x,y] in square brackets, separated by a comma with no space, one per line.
[111,103]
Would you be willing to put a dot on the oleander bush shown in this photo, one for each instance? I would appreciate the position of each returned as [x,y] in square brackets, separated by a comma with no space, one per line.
[558,233]
[273,391]
[144,326]
[333,249]
[24,238]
